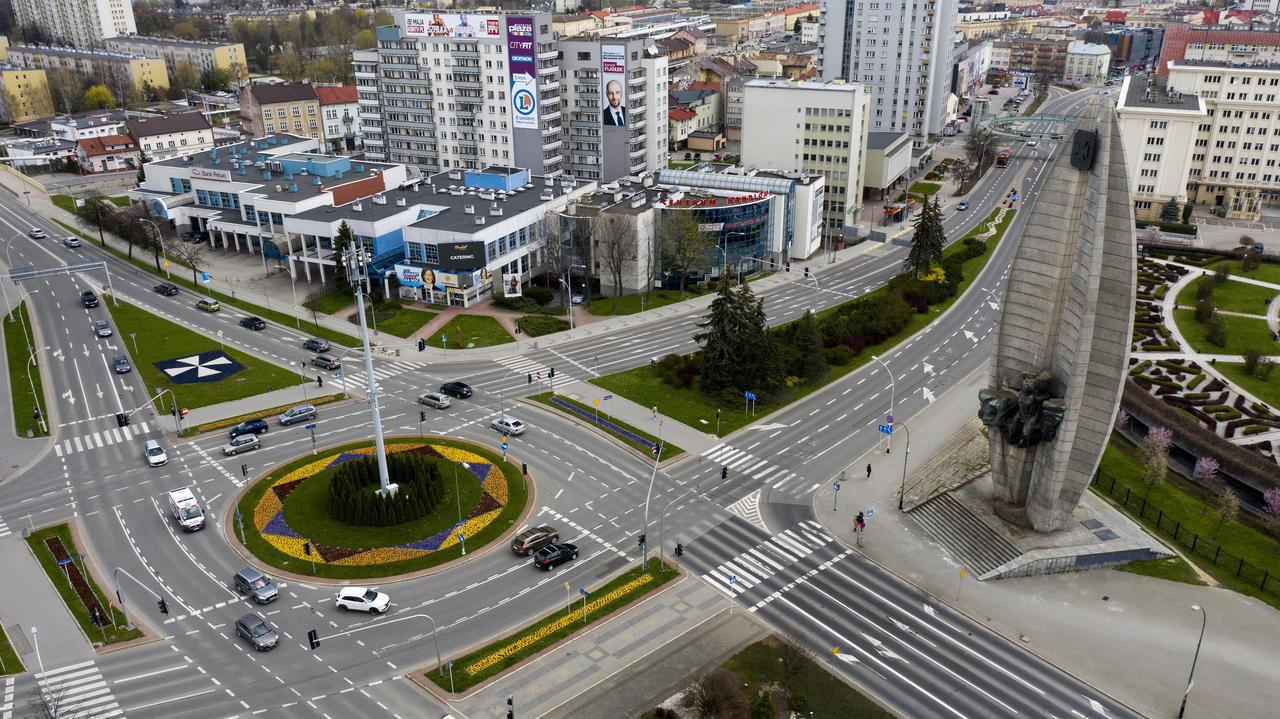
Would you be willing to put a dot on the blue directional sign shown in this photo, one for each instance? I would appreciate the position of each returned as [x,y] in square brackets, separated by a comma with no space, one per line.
[311,425]
[504,446]
[750,395]
[62,562]
[1013,198]
[870,513]
[835,486]
[886,429]
[204,277]
[461,538]
[608,396]
[338,374]
[583,592]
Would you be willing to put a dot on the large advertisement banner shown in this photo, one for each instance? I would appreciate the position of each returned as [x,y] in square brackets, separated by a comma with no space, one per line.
[613,114]
[439,24]
[522,57]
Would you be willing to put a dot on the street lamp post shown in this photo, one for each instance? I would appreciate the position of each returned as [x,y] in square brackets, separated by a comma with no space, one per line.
[160,245]
[357,262]
[44,426]
[22,316]
[906,452]
[44,694]
[1204,619]
[644,547]
[569,290]
[892,391]
[8,263]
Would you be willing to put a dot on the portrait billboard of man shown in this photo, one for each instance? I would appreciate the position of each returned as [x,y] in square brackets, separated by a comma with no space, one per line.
[615,125]
[615,113]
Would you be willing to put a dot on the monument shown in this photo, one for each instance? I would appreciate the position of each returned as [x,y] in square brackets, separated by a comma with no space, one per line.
[1062,339]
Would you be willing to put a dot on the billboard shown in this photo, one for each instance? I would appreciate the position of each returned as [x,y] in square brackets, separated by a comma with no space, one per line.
[523,63]
[461,255]
[613,113]
[439,24]
[511,285]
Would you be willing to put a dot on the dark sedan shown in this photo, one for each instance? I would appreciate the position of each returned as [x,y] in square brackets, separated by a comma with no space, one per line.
[554,554]
[168,289]
[456,389]
[249,426]
[253,323]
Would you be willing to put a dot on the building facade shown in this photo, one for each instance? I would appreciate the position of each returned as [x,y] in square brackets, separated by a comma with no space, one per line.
[291,108]
[109,153]
[160,138]
[901,53]
[340,113]
[1086,63]
[78,23]
[815,127]
[202,55]
[1039,56]
[1134,48]
[1217,43]
[119,70]
[26,94]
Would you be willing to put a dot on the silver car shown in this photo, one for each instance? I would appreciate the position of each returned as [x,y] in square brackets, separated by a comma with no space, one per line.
[242,443]
[434,399]
[102,328]
[255,630]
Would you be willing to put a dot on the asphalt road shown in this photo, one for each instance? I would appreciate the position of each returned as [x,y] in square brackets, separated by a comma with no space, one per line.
[906,648]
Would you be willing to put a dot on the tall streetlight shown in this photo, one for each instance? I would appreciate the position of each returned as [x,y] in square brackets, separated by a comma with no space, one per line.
[1191,680]
[8,263]
[44,693]
[160,245]
[569,290]
[906,452]
[22,316]
[892,391]
[44,426]
[644,546]
[356,260]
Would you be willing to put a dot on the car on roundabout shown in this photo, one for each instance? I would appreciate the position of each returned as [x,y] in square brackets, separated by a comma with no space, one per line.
[361,599]
[532,539]
[509,425]
[242,443]
[256,425]
[554,555]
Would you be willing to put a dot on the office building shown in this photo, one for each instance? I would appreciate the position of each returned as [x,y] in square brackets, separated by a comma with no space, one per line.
[1086,63]
[160,138]
[78,23]
[1218,43]
[1134,48]
[291,108]
[121,71]
[901,53]
[200,54]
[340,117]
[816,127]
[26,94]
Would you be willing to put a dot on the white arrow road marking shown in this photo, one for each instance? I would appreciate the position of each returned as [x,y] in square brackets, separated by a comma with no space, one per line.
[848,658]
[61,357]
[993,305]
[927,394]
[928,369]
[770,427]
[69,397]
[970,336]
[99,388]
[882,649]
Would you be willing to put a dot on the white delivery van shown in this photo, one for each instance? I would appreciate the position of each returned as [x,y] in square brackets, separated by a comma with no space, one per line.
[186,510]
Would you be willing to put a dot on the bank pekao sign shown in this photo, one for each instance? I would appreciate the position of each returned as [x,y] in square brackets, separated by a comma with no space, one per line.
[208,173]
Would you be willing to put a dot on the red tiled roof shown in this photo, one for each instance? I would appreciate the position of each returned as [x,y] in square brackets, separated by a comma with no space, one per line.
[94,146]
[681,113]
[1115,16]
[341,95]
[803,7]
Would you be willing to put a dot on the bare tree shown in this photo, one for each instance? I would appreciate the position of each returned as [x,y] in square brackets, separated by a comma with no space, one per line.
[64,88]
[981,146]
[615,246]
[52,703]
[191,254]
[652,257]
[717,695]
[682,241]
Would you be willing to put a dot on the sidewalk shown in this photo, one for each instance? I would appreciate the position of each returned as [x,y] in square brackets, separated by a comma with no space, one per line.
[17,452]
[1128,635]
[29,601]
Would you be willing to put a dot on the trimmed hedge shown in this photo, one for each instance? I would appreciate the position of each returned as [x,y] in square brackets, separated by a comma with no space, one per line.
[1256,429]
[352,499]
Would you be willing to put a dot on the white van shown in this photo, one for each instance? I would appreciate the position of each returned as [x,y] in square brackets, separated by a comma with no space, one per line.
[154,453]
[186,510]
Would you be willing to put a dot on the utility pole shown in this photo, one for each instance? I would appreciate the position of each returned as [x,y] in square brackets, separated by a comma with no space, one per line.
[357,260]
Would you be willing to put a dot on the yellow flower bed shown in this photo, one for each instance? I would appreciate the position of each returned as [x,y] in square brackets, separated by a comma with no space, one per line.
[267,508]
[470,528]
[548,629]
[291,546]
[382,555]
[496,485]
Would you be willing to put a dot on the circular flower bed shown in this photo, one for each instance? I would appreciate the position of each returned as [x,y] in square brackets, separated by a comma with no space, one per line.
[496,498]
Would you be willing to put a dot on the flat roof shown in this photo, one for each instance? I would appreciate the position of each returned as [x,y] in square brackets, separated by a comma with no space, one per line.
[884,140]
[1136,95]
[1261,66]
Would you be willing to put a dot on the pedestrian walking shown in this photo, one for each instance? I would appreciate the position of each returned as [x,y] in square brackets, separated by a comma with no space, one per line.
[319,381]
[868,470]
[653,413]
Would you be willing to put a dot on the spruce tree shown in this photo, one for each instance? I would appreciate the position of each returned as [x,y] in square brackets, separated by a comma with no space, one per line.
[719,337]
[928,241]
[1169,211]
[342,240]
[808,340]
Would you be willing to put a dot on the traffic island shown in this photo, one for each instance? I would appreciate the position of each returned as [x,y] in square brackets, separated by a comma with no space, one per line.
[627,434]
[101,621]
[319,515]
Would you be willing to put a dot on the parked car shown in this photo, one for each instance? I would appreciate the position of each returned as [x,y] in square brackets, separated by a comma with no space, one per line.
[534,538]
[255,630]
[71,241]
[121,364]
[362,599]
[460,390]
[434,399]
[253,323]
[102,328]
[964,205]
[577,299]
[242,443]
[256,584]
[249,426]
[301,413]
[993,91]
[326,362]
[36,233]
[554,554]
[88,298]
[508,425]
[315,344]
[208,305]
[168,289]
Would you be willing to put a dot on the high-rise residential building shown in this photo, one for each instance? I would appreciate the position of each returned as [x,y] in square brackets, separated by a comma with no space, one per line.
[286,108]
[815,127]
[26,94]
[901,53]
[447,91]
[79,23]
[203,55]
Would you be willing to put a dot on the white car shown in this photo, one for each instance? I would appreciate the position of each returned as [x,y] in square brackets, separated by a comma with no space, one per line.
[242,443]
[434,399]
[508,425]
[1032,143]
[362,599]
[36,233]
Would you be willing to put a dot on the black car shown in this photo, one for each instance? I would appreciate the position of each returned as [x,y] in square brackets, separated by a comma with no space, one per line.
[253,323]
[553,554]
[88,298]
[456,389]
[249,426]
[315,344]
[168,289]
[121,364]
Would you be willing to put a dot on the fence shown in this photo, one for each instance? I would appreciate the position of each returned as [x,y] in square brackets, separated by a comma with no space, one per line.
[1191,541]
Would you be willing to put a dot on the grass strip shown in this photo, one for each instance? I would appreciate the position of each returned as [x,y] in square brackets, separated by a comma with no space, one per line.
[670,450]
[18,358]
[164,340]
[1242,333]
[1172,569]
[517,495]
[690,406]
[470,331]
[539,325]
[394,319]
[110,634]
[1266,390]
[1181,503]
[815,692]
[1231,296]
[10,662]
[267,414]
[139,261]
[330,302]
[632,304]
[504,653]
[1264,271]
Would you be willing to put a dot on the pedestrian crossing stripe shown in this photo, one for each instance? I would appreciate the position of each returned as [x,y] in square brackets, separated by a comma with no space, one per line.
[523,365]
[6,706]
[80,691]
[103,438]
[760,562]
[740,461]
[4,529]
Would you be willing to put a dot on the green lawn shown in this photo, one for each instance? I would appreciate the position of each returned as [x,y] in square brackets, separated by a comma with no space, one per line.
[1173,569]
[58,577]
[826,696]
[1184,502]
[68,203]
[330,302]
[10,663]
[669,450]
[1231,296]
[182,279]
[517,495]
[926,189]
[160,339]
[307,511]
[690,406]
[1268,392]
[393,318]
[1242,333]
[630,304]
[18,358]
[470,331]
[1265,271]
[539,325]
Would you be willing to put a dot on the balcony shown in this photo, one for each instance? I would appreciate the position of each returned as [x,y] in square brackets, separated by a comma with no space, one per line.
[634,110]
[589,80]
[553,146]
[549,86]
[468,84]
[473,54]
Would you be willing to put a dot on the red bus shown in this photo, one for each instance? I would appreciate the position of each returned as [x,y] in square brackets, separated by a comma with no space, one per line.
[1002,157]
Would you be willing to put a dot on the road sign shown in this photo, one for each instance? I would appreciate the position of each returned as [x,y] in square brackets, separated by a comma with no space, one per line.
[311,425]
[733,579]
[750,395]
[835,486]
[504,446]
[596,402]
[219,333]
[583,592]
[886,429]
[870,513]
[338,374]
[608,397]
[204,277]
[62,562]
[461,538]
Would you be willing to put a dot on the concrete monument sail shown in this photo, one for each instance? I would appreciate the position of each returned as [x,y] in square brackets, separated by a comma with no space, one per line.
[1062,340]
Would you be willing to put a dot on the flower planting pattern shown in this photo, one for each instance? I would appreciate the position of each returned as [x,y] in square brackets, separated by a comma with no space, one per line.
[269,516]
[552,627]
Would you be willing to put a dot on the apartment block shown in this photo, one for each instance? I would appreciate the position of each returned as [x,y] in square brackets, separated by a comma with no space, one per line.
[1217,43]
[26,94]
[78,23]
[1041,56]
[901,54]
[202,55]
[290,108]
[816,127]
[1086,63]
[119,67]
[161,138]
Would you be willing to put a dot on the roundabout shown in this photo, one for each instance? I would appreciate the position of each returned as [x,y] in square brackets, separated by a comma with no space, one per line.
[318,516]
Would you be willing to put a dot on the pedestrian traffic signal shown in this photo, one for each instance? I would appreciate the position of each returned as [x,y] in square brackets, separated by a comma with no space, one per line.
[313,638]
[553,373]
[306,548]
[654,451]
[422,415]
[530,378]
[724,473]
[788,265]
[164,608]
[679,550]
[642,539]
[422,345]
[806,273]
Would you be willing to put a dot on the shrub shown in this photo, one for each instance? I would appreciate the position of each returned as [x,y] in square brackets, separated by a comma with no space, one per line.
[1217,332]
[1255,429]
[352,498]
[538,325]
[1228,415]
[1204,311]
[1251,357]
[1196,395]
[1195,381]
[541,295]
[839,355]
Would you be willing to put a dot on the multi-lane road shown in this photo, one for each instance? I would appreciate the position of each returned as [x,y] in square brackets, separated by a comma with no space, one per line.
[908,649]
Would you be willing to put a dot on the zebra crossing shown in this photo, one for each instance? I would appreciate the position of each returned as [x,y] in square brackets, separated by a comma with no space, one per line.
[741,462]
[356,376]
[525,366]
[6,706]
[78,690]
[4,529]
[103,438]
[775,554]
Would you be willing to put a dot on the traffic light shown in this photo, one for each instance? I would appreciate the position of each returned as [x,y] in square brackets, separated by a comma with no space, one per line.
[422,345]
[806,273]
[724,473]
[788,265]
[511,711]
[641,539]
[530,376]
[553,373]
[679,550]
[164,608]
[654,451]
[122,419]
[306,548]
[313,638]
[422,415]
